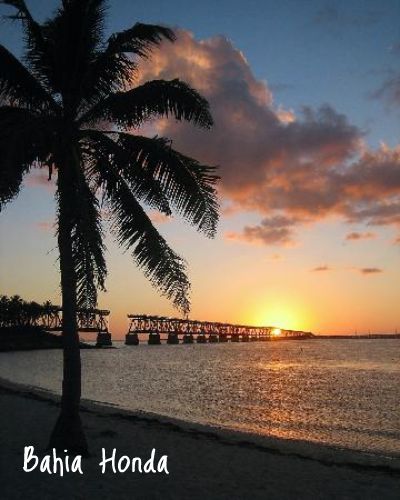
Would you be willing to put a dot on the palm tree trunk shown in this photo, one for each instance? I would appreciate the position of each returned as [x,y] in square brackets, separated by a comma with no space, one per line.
[68,432]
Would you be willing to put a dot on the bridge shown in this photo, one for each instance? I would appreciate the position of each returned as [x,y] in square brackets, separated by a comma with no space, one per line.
[88,320]
[190,331]
[158,328]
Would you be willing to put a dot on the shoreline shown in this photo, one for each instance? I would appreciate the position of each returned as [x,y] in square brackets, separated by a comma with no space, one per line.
[304,450]
[204,461]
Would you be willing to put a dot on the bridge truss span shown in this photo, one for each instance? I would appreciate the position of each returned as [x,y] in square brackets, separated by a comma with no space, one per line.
[88,321]
[189,331]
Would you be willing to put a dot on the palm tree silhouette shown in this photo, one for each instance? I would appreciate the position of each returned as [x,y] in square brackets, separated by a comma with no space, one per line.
[72,108]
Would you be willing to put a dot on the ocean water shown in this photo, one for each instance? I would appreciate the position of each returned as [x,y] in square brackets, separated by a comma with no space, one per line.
[343,393]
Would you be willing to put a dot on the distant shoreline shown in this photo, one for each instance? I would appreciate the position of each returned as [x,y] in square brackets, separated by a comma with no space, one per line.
[368,336]
[31,338]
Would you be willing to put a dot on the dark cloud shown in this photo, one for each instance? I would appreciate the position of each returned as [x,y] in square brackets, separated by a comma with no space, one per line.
[395,48]
[355,236]
[291,169]
[363,270]
[332,16]
[370,270]
[320,269]
[277,230]
[389,91]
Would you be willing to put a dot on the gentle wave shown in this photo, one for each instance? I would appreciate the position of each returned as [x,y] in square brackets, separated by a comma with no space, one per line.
[339,393]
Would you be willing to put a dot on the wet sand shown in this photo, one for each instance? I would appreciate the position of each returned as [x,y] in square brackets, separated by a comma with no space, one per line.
[203,462]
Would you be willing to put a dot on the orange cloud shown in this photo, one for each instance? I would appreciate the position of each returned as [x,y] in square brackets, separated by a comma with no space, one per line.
[40,178]
[286,115]
[355,236]
[45,226]
[276,257]
[321,269]
[304,168]
[277,230]
[370,270]
[158,217]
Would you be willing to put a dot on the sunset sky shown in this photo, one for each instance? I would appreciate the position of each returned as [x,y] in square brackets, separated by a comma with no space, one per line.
[306,101]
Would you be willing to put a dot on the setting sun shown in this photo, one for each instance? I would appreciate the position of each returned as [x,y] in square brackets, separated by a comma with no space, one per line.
[200,248]
[290,316]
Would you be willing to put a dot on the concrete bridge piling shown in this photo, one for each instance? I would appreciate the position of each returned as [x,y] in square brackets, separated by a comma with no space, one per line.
[88,321]
[158,329]
[188,331]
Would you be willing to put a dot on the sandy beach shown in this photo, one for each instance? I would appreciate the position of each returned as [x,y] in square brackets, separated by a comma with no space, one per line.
[203,463]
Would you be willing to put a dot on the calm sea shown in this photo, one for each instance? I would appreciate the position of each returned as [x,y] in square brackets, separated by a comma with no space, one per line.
[344,393]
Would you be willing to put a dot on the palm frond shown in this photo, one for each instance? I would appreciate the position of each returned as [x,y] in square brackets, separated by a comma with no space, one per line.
[24,139]
[107,73]
[98,146]
[160,98]
[74,36]
[19,87]
[188,185]
[88,247]
[113,69]
[60,51]
[79,218]
[72,81]
[140,39]
[10,182]
[38,54]
[162,266]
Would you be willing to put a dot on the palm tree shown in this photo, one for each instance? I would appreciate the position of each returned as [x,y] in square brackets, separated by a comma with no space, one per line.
[16,310]
[72,107]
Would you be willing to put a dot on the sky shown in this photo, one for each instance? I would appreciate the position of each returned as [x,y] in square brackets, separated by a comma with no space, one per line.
[306,103]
